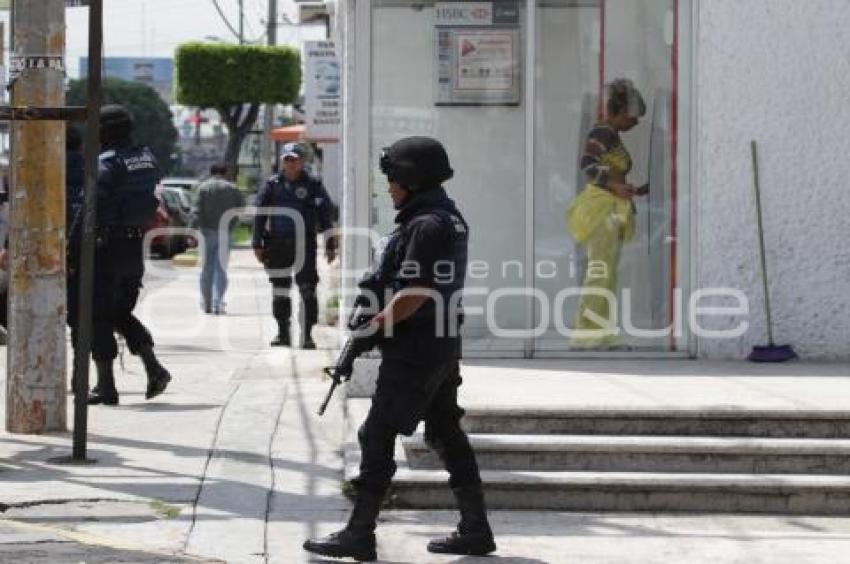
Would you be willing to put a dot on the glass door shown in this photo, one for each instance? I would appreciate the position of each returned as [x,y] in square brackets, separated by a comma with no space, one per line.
[513,89]
[604,264]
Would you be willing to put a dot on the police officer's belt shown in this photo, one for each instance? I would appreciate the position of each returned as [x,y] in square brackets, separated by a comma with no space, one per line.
[121,232]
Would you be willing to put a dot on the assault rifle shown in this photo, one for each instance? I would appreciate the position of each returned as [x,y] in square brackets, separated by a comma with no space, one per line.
[360,341]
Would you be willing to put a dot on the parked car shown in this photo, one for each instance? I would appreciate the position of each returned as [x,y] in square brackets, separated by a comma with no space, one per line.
[175,204]
[189,187]
[161,242]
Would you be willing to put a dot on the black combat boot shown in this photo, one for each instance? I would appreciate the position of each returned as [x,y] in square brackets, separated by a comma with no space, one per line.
[158,376]
[282,338]
[357,539]
[473,535]
[105,392]
[308,344]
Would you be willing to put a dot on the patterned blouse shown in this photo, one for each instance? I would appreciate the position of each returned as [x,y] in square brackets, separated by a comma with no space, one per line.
[604,154]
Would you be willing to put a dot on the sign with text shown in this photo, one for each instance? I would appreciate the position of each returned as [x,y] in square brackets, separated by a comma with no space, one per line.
[477,52]
[322,91]
[19,63]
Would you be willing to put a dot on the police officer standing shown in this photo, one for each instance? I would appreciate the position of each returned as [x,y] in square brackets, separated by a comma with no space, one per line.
[423,266]
[126,179]
[276,245]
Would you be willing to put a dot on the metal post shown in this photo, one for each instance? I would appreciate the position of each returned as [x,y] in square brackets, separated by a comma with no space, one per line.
[86,275]
[35,400]
[241,22]
[266,145]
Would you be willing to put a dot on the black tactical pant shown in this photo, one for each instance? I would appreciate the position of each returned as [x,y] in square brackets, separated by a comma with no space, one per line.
[118,271]
[279,258]
[397,410]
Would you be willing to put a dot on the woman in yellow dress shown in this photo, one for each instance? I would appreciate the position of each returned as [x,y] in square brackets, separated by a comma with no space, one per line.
[601,218]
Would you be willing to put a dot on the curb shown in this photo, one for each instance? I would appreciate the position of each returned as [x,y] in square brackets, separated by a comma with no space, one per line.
[185,260]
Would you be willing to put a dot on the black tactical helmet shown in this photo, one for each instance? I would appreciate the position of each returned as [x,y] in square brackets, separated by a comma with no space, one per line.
[116,122]
[417,162]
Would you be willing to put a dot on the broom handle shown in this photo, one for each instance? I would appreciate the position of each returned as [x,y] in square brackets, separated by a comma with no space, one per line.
[761,242]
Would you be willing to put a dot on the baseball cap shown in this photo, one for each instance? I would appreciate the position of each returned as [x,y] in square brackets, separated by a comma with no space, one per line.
[293,150]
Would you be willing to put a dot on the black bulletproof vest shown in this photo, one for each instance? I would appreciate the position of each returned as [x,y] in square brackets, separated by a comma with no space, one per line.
[129,176]
[450,277]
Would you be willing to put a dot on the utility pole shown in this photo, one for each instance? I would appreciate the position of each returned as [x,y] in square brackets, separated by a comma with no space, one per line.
[241,22]
[266,144]
[36,382]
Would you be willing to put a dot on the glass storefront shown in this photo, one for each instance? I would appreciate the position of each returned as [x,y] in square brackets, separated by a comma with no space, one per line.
[512,89]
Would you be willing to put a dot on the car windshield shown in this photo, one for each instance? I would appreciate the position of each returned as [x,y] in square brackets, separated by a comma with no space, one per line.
[170,197]
[183,197]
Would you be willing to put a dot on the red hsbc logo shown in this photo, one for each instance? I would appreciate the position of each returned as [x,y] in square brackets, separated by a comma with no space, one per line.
[480,13]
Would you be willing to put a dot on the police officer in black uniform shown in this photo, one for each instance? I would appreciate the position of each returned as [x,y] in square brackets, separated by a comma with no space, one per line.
[423,266]
[276,243]
[126,179]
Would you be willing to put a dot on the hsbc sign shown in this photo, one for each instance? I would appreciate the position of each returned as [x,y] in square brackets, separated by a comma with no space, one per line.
[464,13]
[480,14]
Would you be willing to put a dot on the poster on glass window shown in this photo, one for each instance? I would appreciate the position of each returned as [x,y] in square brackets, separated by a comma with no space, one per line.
[477,53]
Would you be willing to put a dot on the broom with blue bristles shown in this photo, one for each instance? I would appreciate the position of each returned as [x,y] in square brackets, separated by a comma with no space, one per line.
[770,352]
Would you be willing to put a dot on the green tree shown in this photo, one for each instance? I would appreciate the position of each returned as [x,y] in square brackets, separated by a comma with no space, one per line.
[235,80]
[154,126]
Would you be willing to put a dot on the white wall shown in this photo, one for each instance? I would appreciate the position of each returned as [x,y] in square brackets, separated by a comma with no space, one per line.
[777,71]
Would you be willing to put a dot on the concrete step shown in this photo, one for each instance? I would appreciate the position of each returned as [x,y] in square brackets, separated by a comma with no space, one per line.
[627,491]
[595,491]
[647,454]
[710,422]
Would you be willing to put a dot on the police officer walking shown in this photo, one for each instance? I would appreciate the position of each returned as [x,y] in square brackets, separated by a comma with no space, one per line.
[423,267]
[276,245]
[126,179]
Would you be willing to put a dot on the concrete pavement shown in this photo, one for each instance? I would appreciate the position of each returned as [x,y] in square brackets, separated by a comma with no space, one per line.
[232,464]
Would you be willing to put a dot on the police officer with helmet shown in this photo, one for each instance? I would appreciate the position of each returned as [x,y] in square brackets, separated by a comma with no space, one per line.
[422,267]
[126,179]
[276,240]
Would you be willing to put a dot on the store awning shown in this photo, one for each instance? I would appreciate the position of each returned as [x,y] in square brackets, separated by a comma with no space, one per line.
[296,133]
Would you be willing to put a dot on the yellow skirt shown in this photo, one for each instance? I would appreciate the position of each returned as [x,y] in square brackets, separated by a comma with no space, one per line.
[600,222]
[595,205]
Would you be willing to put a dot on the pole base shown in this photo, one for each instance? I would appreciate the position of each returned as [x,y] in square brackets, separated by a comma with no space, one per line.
[772,353]
[71,461]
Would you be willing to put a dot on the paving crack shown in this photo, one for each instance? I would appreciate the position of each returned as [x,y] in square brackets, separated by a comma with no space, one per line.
[210,453]
[273,483]
[4,507]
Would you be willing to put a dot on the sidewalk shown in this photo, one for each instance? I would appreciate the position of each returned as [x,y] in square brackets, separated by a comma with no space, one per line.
[232,464]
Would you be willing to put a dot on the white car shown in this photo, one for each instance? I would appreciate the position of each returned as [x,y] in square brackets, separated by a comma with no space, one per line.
[188,185]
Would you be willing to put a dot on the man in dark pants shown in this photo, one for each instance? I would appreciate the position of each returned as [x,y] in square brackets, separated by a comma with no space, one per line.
[127,177]
[276,240]
[423,266]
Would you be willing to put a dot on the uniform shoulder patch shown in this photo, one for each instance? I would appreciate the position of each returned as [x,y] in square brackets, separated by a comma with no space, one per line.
[458,224]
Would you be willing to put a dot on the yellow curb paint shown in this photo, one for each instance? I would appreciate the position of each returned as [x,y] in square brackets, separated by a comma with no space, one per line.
[95,540]
[184,260]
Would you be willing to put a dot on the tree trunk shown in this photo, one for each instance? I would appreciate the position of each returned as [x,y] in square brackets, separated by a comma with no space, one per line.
[240,121]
